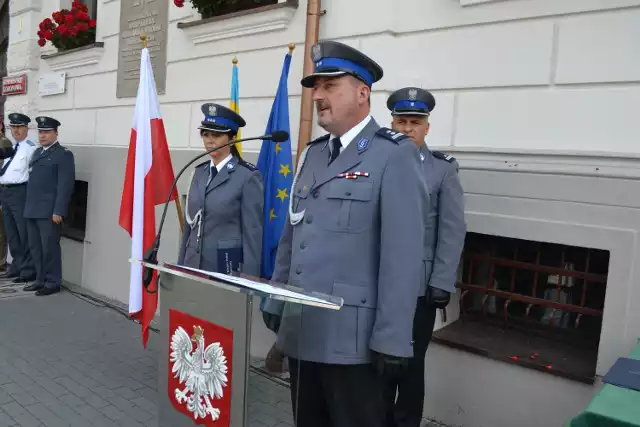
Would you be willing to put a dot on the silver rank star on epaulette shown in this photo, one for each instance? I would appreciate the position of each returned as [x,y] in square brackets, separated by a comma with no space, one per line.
[394,134]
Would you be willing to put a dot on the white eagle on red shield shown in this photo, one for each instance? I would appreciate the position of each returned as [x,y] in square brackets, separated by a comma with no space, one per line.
[202,372]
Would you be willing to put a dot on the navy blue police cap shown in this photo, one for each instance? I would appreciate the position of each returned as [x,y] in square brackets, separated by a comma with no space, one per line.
[47,123]
[218,118]
[18,119]
[333,59]
[411,101]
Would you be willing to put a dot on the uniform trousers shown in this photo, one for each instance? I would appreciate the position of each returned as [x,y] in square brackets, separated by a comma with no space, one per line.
[406,410]
[44,241]
[325,395]
[15,225]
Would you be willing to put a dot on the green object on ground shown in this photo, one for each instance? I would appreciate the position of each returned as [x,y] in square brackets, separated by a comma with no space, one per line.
[612,407]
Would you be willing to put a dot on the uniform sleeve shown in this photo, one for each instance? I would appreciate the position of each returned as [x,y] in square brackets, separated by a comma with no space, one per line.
[66,182]
[281,268]
[252,224]
[451,233]
[187,228]
[403,202]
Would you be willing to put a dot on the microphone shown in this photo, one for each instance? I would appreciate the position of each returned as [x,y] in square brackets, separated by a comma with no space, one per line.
[151,256]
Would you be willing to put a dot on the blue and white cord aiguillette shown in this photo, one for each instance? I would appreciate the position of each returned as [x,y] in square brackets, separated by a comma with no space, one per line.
[296,217]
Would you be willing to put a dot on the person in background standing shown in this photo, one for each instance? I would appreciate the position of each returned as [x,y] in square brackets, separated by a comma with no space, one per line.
[49,191]
[5,144]
[13,192]
[445,230]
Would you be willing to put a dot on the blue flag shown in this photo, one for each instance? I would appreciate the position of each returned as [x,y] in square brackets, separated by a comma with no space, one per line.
[276,166]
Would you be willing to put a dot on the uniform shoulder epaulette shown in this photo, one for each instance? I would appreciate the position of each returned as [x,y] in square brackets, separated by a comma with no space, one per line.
[391,135]
[323,138]
[247,165]
[442,156]
[31,143]
[206,162]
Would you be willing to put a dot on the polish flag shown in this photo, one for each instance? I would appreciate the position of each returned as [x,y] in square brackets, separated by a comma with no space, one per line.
[148,179]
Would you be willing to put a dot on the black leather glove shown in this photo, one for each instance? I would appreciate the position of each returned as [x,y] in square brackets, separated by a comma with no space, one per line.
[271,321]
[437,297]
[389,366]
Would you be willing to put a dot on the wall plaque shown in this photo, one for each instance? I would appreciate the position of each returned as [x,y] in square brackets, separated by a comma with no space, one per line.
[152,18]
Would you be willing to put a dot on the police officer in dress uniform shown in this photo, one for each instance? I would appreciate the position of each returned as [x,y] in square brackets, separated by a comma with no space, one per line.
[14,176]
[445,231]
[48,194]
[224,202]
[355,231]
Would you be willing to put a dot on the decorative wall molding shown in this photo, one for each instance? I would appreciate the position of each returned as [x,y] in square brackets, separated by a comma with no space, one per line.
[476,2]
[596,164]
[18,7]
[79,57]
[254,21]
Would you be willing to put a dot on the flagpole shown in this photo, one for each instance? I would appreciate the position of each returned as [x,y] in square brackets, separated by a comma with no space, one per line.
[145,44]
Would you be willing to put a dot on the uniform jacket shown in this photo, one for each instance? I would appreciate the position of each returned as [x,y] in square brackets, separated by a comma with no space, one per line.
[51,180]
[445,227]
[361,240]
[228,214]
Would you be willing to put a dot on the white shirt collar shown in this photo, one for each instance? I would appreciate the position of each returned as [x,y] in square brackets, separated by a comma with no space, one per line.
[49,146]
[346,139]
[222,164]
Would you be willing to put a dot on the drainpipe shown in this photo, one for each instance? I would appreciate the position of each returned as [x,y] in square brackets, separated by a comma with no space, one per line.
[306,102]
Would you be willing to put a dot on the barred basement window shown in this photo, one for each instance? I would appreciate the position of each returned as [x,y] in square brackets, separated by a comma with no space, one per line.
[532,303]
[75,223]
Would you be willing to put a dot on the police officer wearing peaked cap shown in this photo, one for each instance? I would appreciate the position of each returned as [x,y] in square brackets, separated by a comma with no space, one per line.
[14,176]
[354,231]
[445,231]
[225,201]
[49,191]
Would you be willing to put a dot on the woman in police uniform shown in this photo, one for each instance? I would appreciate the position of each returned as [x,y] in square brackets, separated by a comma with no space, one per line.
[224,208]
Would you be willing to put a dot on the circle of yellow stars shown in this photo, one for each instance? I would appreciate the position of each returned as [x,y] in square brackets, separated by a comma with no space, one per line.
[282,192]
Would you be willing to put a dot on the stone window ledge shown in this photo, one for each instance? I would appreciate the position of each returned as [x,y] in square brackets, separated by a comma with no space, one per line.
[272,17]
[73,58]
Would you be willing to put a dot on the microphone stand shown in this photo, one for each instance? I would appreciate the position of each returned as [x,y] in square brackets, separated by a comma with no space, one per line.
[151,256]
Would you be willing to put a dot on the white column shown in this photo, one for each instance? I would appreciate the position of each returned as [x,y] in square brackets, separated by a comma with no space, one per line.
[24,56]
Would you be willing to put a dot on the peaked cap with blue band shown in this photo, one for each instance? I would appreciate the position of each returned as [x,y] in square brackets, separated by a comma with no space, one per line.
[333,59]
[411,101]
[47,123]
[19,119]
[218,118]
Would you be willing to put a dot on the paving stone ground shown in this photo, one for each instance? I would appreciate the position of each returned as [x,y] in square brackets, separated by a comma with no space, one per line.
[65,361]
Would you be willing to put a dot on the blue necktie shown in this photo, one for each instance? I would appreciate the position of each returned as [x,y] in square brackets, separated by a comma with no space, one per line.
[336,144]
[4,168]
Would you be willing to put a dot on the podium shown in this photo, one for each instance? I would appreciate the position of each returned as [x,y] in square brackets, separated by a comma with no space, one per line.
[205,344]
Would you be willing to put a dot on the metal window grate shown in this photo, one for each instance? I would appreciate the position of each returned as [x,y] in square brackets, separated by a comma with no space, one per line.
[542,287]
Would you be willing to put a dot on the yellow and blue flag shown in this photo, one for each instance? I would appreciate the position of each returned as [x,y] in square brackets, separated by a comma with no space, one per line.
[276,166]
[235,97]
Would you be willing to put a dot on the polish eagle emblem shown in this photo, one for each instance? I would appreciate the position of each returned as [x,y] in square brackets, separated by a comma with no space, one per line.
[202,372]
[413,94]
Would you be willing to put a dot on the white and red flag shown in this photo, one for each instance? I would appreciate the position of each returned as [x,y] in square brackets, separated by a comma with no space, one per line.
[147,181]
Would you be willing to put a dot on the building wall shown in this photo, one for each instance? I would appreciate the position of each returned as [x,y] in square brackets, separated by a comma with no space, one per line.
[536,98]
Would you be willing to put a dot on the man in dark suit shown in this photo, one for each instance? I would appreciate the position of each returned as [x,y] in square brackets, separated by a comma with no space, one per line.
[48,193]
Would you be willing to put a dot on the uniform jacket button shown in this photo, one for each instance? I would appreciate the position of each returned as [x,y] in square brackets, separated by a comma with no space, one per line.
[298,270]
[363,300]
[309,219]
[348,193]
[303,245]
[315,194]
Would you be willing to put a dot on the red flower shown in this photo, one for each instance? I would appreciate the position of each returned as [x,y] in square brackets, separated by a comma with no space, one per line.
[92,23]
[58,17]
[179,3]
[40,33]
[42,27]
[48,35]
[83,27]
[82,16]
[62,30]
[69,20]
[42,42]
[73,31]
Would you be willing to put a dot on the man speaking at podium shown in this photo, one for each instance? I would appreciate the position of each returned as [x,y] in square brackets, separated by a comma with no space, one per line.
[355,231]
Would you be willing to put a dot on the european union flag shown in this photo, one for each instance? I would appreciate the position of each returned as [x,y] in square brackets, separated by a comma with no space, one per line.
[276,166]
